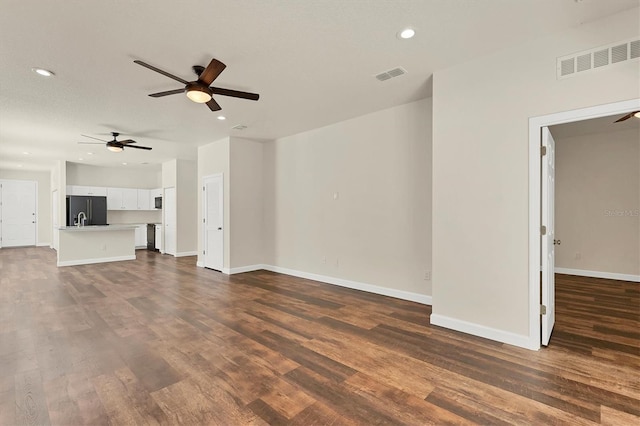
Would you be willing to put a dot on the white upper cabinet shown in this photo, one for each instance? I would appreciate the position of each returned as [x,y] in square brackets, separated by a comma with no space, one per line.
[144,202]
[122,199]
[95,191]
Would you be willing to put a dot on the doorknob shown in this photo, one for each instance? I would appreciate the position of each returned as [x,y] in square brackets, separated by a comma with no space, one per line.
[219,229]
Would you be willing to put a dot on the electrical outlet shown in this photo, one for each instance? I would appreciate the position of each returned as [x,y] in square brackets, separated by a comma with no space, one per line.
[337,263]
[427,275]
[104,247]
[578,256]
[324,260]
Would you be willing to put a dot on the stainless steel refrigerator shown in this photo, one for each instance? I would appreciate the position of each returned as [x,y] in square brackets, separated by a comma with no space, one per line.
[95,209]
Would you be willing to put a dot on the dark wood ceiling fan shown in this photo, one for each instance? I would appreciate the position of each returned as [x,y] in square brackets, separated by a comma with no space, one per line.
[115,145]
[199,91]
[628,116]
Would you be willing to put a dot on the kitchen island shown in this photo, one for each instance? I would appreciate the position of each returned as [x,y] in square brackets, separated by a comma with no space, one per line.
[82,245]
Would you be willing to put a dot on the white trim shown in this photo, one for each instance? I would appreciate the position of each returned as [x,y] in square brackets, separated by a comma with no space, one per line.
[186,253]
[502,336]
[200,264]
[50,245]
[535,124]
[369,288]
[99,260]
[243,269]
[203,228]
[598,274]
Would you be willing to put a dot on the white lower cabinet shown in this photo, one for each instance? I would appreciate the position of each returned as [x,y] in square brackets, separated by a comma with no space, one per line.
[141,236]
[159,238]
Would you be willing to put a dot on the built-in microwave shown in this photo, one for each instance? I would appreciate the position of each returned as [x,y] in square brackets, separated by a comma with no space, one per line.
[158,202]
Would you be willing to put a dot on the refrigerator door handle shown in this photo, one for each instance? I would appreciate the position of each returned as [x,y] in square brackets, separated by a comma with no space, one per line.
[90,211]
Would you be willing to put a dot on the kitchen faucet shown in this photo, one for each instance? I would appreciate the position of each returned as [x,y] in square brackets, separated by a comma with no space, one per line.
[82,218]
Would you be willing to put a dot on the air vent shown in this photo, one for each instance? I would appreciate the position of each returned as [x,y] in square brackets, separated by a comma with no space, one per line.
[600,57]
[396,72]
[239,127]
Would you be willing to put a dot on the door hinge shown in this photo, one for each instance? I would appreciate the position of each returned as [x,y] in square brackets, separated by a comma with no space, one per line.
[203,188]
[543,151]
[543,310]
[203,252]
[543,230]
[203,220]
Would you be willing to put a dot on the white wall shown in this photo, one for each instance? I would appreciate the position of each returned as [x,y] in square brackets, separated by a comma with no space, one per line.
[114,177]
[187,201]
[246,202]
[377,231]
[597,202]
[480,168]
[214,158]
[44,199]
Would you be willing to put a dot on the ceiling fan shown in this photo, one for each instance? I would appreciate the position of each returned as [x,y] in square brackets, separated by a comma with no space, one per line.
[115,145]
[628,116]
[199,91]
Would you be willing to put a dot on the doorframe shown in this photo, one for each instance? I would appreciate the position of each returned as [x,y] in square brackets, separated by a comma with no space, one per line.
[204,215]
[535,191]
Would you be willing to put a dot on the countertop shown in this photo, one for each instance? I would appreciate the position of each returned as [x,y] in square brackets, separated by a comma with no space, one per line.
[97,228]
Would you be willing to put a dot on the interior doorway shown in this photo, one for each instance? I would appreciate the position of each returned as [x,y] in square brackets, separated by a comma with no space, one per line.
[542,310]
[18,213]
[213,218]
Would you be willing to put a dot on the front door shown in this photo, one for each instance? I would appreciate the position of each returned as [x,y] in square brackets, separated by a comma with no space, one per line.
[18,213]
[548,239]
[213,202]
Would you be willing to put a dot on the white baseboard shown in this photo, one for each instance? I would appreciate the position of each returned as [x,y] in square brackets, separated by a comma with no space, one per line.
[243,269]
[186,253]
[483,331]
[598,274]
[99,260]
[370,288]
[200,264]
[43,245]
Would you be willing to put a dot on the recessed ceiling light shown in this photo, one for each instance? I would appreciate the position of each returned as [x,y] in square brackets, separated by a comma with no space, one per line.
[407,33]
[26,153]
[43,72]
[19,165]
[80,159]
[222,117]
[124,164]
[637,114]
[89,153]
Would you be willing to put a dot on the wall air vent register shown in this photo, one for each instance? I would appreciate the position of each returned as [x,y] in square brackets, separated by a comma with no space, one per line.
[604,56]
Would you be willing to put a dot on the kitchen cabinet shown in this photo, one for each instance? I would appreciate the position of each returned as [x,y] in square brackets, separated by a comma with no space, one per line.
[141,236]
[96,191]
[144,201]
[159,238]
[122,199]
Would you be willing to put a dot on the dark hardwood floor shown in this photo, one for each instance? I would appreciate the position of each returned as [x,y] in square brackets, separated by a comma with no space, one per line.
[158,340]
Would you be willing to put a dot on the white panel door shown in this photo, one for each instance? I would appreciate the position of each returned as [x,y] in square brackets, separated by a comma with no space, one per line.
[548,240]
[213,222]
[170,222]
[55,218]
[18,213]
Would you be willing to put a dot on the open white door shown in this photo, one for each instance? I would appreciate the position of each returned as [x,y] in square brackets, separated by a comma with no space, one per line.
[213,203]
[548,237]
[170,221]
[18,200]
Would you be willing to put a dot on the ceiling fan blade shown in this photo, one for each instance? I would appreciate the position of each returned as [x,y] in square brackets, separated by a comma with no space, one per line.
[235,93]
[138,147]
[158,70]
[213,105]
[167,93]
[211,72]
[626,117]
[91,143]
[126,141]
[91,137]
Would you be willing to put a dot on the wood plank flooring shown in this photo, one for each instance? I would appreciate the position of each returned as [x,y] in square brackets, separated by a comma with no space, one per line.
[159,341]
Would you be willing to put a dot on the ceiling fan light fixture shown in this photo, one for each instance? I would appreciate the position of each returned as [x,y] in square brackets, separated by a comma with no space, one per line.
[637,114]
[198,94]
[114,148]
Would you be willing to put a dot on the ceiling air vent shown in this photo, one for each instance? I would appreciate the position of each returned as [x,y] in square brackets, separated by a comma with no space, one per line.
[239,127]
[396,72]
[600,57]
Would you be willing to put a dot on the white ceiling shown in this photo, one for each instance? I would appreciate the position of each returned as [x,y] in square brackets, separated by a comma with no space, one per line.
[312,62]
